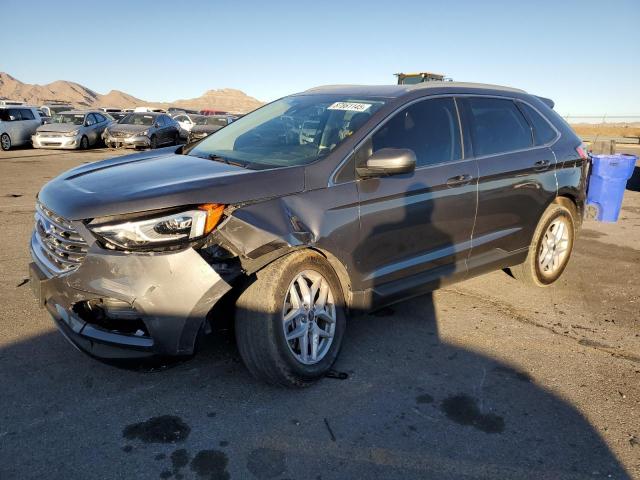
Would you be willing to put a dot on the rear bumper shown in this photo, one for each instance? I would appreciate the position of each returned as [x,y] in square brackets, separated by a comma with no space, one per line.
[169,294]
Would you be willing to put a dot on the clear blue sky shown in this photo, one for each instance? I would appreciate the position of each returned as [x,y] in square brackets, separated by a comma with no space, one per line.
[584,54]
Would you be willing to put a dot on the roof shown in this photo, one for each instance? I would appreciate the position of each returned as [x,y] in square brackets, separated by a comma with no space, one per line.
[399,90]
[81,112]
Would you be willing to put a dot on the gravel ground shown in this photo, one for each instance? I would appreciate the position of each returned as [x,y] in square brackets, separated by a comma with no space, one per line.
[484,379]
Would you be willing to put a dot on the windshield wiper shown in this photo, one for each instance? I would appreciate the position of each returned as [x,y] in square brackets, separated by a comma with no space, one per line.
[228,161]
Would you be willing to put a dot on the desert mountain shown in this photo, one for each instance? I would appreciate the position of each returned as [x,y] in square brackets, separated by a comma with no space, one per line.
[79,96]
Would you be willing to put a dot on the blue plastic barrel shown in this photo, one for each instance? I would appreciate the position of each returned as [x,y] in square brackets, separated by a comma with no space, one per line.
[607,183]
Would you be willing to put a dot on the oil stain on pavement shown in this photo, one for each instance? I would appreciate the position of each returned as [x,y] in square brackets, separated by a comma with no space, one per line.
[163,429]
[210,464]
[464,410]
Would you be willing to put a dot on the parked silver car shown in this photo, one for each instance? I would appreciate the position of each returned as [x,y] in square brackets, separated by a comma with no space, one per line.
[17,124]
[143,130]
[73,129]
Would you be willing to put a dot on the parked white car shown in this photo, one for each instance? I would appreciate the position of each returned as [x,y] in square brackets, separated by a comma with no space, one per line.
[52,108]
[17,124]
[186,121]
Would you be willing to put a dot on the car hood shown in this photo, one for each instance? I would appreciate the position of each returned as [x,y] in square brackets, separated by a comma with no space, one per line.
[161,179]
[205,128]
[58,127]
[128,128]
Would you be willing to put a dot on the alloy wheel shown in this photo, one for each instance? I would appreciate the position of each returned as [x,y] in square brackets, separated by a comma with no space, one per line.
[309,317]
[5,141]
[554,247]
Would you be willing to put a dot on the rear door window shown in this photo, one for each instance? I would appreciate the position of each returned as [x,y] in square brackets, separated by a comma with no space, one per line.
[27,114]
[497,126]
[430,128]
[543,133]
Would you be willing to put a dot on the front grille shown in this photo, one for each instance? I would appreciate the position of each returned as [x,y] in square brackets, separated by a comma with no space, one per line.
[56,243]
[120,134]
[50,135]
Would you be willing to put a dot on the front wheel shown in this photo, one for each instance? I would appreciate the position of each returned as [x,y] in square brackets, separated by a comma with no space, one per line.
[84,143]
[5,142]
[291,320]
[153,143]
[550,249]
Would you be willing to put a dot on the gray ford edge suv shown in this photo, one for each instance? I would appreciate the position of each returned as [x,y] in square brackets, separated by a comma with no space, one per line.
[334,201]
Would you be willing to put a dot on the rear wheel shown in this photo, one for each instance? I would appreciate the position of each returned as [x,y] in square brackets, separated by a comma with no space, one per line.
[290,322]
[550,249]
[5,141]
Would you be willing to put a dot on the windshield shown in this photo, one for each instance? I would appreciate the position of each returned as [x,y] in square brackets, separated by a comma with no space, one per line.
[138,119]
[295,130]
[216,121]
[59,108]
[72,118]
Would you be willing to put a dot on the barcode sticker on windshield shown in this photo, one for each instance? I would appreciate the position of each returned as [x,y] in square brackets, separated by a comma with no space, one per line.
[350,106]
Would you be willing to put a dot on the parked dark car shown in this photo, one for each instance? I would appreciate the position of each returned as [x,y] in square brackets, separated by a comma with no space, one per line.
[205,125]
[142,130]
[331,202]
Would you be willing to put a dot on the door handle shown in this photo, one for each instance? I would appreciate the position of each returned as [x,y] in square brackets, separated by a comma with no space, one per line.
[542,165]
[459,180]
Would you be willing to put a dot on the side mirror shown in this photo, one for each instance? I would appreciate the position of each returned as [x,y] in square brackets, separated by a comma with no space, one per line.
[388,161]
[156,125]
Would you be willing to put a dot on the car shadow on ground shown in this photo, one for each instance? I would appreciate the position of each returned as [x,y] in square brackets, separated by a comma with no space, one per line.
[412,406]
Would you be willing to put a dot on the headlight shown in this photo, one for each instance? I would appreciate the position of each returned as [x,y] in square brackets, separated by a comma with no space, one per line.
[157,231]
[71,134]
[105,133]
[141,134]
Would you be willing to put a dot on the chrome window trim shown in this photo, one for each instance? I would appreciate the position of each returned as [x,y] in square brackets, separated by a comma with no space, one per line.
[454,97]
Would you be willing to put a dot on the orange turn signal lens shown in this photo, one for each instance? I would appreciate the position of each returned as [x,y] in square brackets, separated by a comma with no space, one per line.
[214,214]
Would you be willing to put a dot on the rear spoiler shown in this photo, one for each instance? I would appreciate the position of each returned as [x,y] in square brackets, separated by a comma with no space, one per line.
[547,101]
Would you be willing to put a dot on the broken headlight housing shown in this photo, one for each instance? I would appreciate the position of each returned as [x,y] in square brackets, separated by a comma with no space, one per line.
[158,230]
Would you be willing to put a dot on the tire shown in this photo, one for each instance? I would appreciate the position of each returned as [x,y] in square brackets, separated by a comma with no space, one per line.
[5,142]
[260,322]
[176,139]
[543,266]
[84,143]
[153,143]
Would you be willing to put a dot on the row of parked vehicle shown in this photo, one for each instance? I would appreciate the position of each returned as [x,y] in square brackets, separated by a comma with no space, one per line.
[62,127]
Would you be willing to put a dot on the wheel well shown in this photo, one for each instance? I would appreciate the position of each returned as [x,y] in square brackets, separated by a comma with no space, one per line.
[337,265]
[341,272]
[569,201]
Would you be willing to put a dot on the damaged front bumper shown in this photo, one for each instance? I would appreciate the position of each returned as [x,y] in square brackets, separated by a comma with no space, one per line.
[129,305]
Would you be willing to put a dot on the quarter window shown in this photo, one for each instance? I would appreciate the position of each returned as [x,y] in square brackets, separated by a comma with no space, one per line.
[497,126]
[430,128]
[542,131]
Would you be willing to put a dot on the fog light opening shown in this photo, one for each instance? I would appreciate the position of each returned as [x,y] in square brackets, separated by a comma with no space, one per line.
[112,315]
